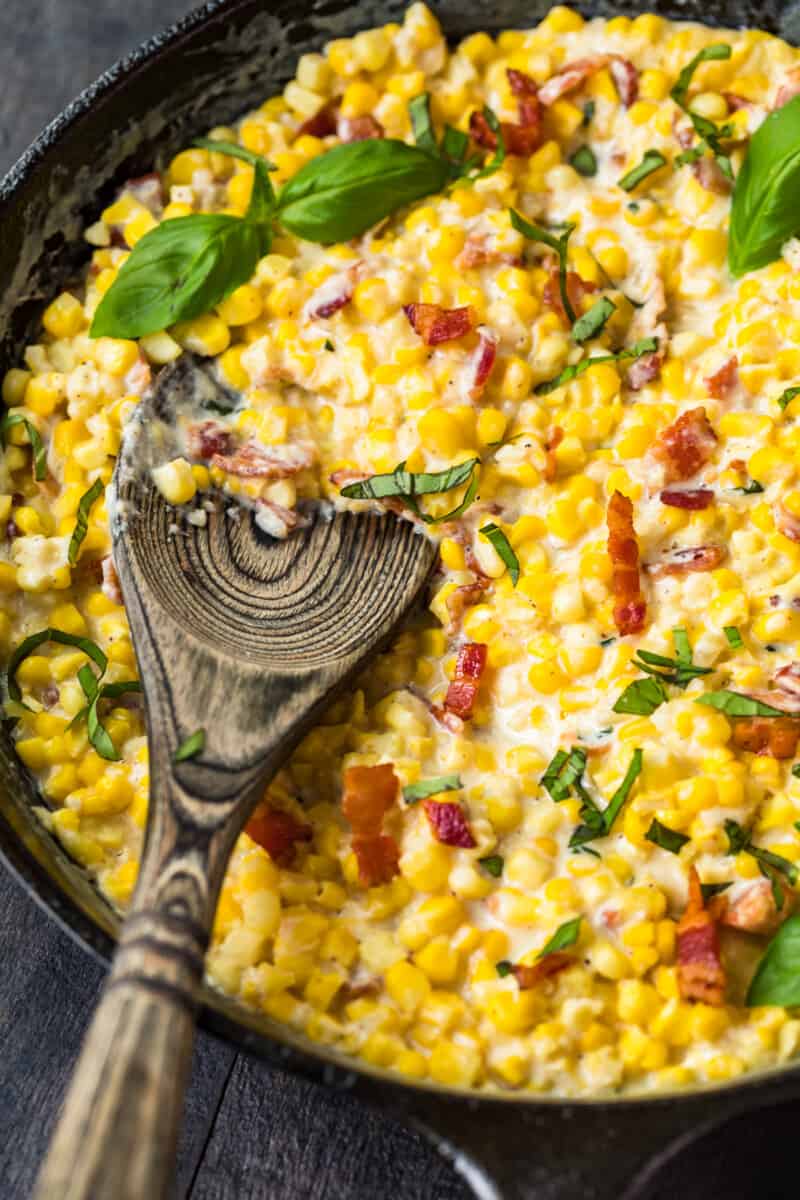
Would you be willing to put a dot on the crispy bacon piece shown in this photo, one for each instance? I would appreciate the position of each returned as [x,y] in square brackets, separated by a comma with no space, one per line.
[736,102]
[254,461]
[435,324]
[208,439]
[575,74]
[449,823]
[788,523]
[111,586]
[789,88]
[694,499]
[577,288]
[648,322]
[137,380]
[527,93]
[463,598]
[686,445]
[369,793]
[359,129]
[528,975]
[463,690]
[724,379]
[630,608]
[701,975]
[322,124]
[647,368]
[709,175]
[554,439]
[520,139]
[482,361]
[754,910]
[333,294]
[686,561]
[478,252]
[787,679]
[277,832]
[275,519]
[776,737]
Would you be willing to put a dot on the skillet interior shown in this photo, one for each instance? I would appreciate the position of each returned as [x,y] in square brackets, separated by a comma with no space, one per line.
[210,68]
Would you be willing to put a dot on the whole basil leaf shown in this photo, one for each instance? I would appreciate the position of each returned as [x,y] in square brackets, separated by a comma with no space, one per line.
[764,210]
[181,269]
[341,194]
[777,977]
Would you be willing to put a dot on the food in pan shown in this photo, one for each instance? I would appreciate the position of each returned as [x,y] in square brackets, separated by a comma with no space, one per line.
[541,295]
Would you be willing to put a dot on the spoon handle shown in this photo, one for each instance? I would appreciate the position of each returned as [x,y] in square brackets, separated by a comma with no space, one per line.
[117,1135]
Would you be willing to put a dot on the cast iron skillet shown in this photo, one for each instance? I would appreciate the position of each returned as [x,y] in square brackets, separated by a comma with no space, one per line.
[206,70]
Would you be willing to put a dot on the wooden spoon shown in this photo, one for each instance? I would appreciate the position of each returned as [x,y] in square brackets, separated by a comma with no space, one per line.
[249,639]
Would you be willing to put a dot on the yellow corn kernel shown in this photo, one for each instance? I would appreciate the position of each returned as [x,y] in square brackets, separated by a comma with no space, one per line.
[175,480]
[242,306]
[64,317]
[455,1064]
[207,335]
[181,170]
[562,19]
[138,225]
[407,985]
[160,348]
[44,393]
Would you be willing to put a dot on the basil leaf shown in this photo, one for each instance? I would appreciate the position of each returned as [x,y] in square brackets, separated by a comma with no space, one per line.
[419,110]
[328,345]
[713,53]
[786,397]
[777,977]
[10,419]
[563,771]
[341,194]
[646,345]
[652,160]
[588,112]
[734,704]
[769,863]
[536,234]
[751,488]
[99,736]
[709,890]
[262,200]
[616,802]
[35,640]
[503,968]
[642,697]
[593,322]
[82,519]
[584,161]
[177,271]
[494,534]
[764,211]
[234,150]
[493,863]
[737,837]
[414,792]
[407,485]
[678,671]
[193,745]
[683,649]
[733,636]
[566,935]
[666,838]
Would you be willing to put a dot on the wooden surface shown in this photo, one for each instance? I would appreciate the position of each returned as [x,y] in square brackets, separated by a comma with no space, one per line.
[250,1132]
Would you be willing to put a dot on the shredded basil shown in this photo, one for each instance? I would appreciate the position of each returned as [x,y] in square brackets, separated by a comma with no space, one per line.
[562,772]
[39,456]
[652,160]
[328,344]
[452,150]
[99,736]
[734,704]
[777,977]
[584,161]
[419,110]
[414,792]
[194,744]
[706,130]
[35,640]
[666,838]
[494,534]
[535,233]
[642,697]
[566,935]
[709,890]
[751,488]
[796,773]
[493,863]
[786,397]
[764,212]
[771,865]
[716,52]
[598,823]
[588,112]
[85,504]
[503,968]
[407,485]
[593,322]
[733,636]
[646,345]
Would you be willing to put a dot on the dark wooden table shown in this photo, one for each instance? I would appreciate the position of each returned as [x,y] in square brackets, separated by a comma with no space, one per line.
[250,1132]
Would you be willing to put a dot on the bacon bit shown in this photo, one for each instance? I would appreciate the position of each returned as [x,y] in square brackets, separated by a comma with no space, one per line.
[526,91]
[520,140]
[138,379]
[701,975]
[322,124]
[755,910]
[208,439]
[787,679]
[630,608]
[50,696]
[278,833]
[686,445]
[724,379]
[435,324]
[148,190]
[693,498]
[483,361]
[577,288]
[736,102]
[333,294]
[463,598]
[789,88]
[554,439]
[111,587]
[527,976]
[463,690]
[449,823]
[687,561]
[254,461]
[275,519]
[709,175]
[611,917]
[369,793]
[359,129]
[776,737]
[574,74]
[788,523]
[647,368]
[356,991]
[478,253]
